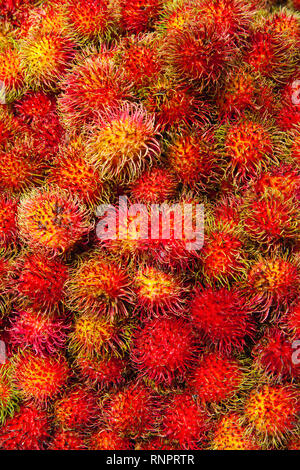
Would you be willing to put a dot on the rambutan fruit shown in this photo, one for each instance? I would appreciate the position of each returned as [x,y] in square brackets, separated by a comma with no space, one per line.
[295,152]
[8,221]
[99,284]
[137,16]
[101,372]
[122,142]
[293,319]
[247,146]
[215,378]
[39,280]
[158,292]
[198,54]
[67,440]
[284,23]
[230,435]
[175,104]
[72,172]
[274,353]
[163,349]
[184,421]
[28,429]
[154,186]
[90,20]
[272,282]
[223,317]
[18,171]
[283,180]
[296,4]
[193,159]
[108,440]
[140,61]
[270,218]
[271,411]
[42,333]
[294,442]
[45,58]
[12,73]
[51,219]
[175,16]
[75,409]
[40,378]
[92,86]
[34,105]
[10,127]
[8,394]
[94,335]
[223,256]
[131,412]
[270,55]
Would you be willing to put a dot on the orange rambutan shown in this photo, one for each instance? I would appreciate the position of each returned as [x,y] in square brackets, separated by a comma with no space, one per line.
[247,146]
[108,440]
[94,336]
[101,372]
[122,142]
[52,220]
[231,435]
[136,16]
[131,412]
[184,421]
[39,280]
[192,157]
[223,318]
[154,186]
[67,440]
[34,330]
[72,172]
[90,19]
[98,284]
[274,355]
[272,282]
[92,86]
[163,350]
[271,411]
[75,409]
[158,292]
[45,58]
[12,74]
[215,378]
[40,378]
[28,429]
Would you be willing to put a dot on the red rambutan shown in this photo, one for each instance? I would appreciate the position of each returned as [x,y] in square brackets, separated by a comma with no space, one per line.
[154,186]
[8,221]
[101,372]
[67,440]
[136,16]
[108,440]
[75,409]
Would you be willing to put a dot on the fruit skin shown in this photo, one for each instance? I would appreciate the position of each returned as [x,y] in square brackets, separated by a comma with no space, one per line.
[230,435]
[8,222]
[67,440]
[122,142]
[272,282]
[101,372]
[94,336]
[215,378]
[77,408]
[45,58]
[163,350]
[154,186]
[37,331]
[8,394]
[158,292]
[271,412]
[109,440]
[131,412]
[157,443]
[223,318]
[184,421]
[52,220]
[12,73]
[99,284]
[38,280]
[136,16]
[28,429]
[292,319]
[40,378]
[274,353]
[93,85]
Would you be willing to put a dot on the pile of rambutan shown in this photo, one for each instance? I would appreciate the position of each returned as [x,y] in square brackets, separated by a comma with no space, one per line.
[149,224]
